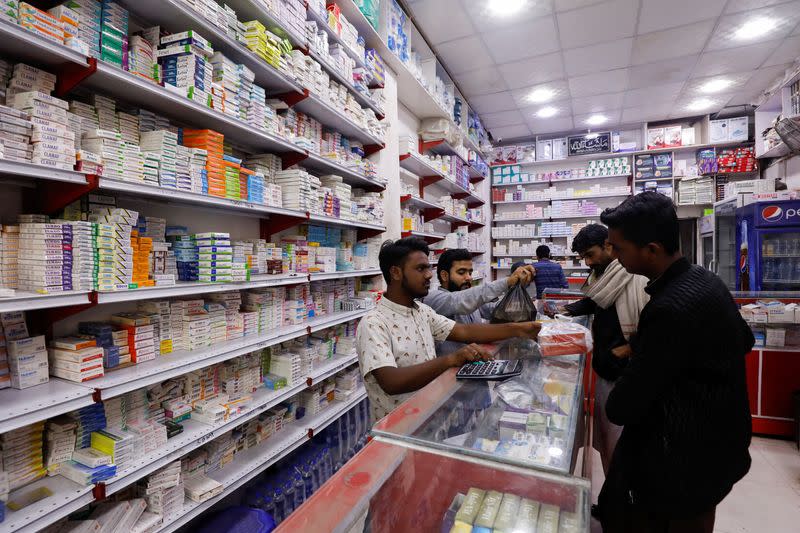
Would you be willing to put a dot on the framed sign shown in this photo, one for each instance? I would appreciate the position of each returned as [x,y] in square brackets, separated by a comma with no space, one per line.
[590,143]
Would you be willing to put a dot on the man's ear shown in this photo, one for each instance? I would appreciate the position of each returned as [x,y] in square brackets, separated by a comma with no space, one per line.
[396,273]
[654,248]
[444,278]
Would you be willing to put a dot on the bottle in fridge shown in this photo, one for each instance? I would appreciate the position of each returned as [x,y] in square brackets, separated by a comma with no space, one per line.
[768,240]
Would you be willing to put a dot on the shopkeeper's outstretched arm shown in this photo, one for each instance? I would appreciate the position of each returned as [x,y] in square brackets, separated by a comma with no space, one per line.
[482,333]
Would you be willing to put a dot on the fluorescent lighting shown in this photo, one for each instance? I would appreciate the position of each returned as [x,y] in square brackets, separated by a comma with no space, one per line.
[596,120]
[715,86]
[541,95]
[505,8]
[546,112]
[755,28]
[700,104]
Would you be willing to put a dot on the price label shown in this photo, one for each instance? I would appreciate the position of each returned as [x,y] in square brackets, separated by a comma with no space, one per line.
[205,438]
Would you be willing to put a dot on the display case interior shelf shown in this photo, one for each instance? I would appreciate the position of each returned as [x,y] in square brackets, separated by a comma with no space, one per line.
[418,202]
[416,165]
[428,237]
[556,182]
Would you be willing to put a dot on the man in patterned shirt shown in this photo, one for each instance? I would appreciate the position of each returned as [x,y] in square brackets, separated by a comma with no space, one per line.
[396,340]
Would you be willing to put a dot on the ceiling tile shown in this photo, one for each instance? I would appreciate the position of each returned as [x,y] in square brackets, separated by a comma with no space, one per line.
[662,72]
[787,51]
[676,42]
[763,79]
[786,17]
[733,60]
[458,22]
[646,112]
[559,88]
[492,103]
[528,114]
[502,119]
[667,92]
[540,126]
[612,81]
[734,6]
[598,57]
[566,5]
[613,117]
[481,81]
[693,87]
[510,132]
[594,104]
[598,23]
[532,71]
[533,38]
[463,55]
[486,20]
[659,15]
[681,106]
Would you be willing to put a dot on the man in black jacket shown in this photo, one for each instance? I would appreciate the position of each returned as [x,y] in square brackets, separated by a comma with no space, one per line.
[682,398]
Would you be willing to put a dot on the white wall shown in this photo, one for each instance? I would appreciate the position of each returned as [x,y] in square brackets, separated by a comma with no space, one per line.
[788,171]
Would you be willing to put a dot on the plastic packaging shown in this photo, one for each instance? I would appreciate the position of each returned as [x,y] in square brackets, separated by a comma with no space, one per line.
[516,306]
[561,337]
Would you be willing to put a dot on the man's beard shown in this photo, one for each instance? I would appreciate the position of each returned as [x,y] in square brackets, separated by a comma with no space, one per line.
[414,294]
[599,269]
[452,287]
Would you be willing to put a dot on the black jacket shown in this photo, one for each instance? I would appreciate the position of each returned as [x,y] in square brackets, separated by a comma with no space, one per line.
[606,334]
[682,399]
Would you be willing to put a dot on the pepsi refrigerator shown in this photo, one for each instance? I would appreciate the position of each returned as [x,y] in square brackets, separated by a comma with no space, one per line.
[768,244]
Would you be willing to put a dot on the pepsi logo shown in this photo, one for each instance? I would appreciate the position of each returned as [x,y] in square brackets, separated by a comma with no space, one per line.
[772,213]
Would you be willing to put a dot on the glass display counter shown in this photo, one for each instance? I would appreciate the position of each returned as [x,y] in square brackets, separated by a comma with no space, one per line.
[533,421]
[398,487]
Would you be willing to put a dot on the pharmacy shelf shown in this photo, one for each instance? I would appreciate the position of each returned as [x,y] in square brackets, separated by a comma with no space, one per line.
[415,201]
[23,46]
[12,169]
[343,222]
[334,37]
[172,103]
[252,462]
[779,150]
[67,497]
[195,433]
[687,148]
[532,254]
[473,225]
[580,197]
[415,164]
[327,321]
[20,408]
[556,182]
[410,91]
[528,237]
[28,301]
[542,219]
[315,106]
[350,175]
[428,237]
[256,10]
[191,288]
[455,190]
[495,267]
[174,196]
[320,276]
[177,16]
[364,99]
[454,219]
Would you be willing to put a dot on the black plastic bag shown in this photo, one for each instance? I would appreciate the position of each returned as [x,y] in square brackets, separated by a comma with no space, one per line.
[516,306]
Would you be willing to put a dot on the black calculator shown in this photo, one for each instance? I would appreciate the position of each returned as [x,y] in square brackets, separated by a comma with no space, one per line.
[499,369]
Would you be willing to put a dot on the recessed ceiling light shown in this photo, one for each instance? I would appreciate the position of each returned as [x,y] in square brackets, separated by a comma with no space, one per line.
[546,112]
[505,8]
[592,135]
[715,86]
[755,28]
[540,95]
[700,104]
[595,120]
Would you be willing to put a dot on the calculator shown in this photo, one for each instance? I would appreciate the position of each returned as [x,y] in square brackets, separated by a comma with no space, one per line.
[499,369]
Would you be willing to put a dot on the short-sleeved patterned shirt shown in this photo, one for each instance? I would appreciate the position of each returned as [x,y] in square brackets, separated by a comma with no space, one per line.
[397,336]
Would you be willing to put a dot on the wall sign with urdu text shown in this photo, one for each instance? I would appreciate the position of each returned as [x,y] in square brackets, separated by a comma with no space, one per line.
[590,143]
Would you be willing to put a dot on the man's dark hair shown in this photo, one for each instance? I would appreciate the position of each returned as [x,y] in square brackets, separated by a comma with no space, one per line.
[394,253]
[449,257]
[588,236]
[645,218]
[543,252]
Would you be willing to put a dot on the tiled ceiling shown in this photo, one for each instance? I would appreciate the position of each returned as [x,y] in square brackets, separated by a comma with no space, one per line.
[627,60]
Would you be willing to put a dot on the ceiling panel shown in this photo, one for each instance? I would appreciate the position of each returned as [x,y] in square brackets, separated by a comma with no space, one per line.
[598,23]
[633,60]
[613,117]
[535,70]
[660,14]
[676,42]
[612,81]
[534,38]
[598,57]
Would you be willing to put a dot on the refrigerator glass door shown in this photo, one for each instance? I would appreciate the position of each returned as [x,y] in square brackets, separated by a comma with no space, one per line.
[725,257]
[708,253]
[780,260]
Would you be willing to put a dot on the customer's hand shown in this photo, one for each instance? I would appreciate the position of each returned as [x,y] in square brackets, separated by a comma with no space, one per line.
[622,352]
[523,275]
[528,330]
[469,354]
